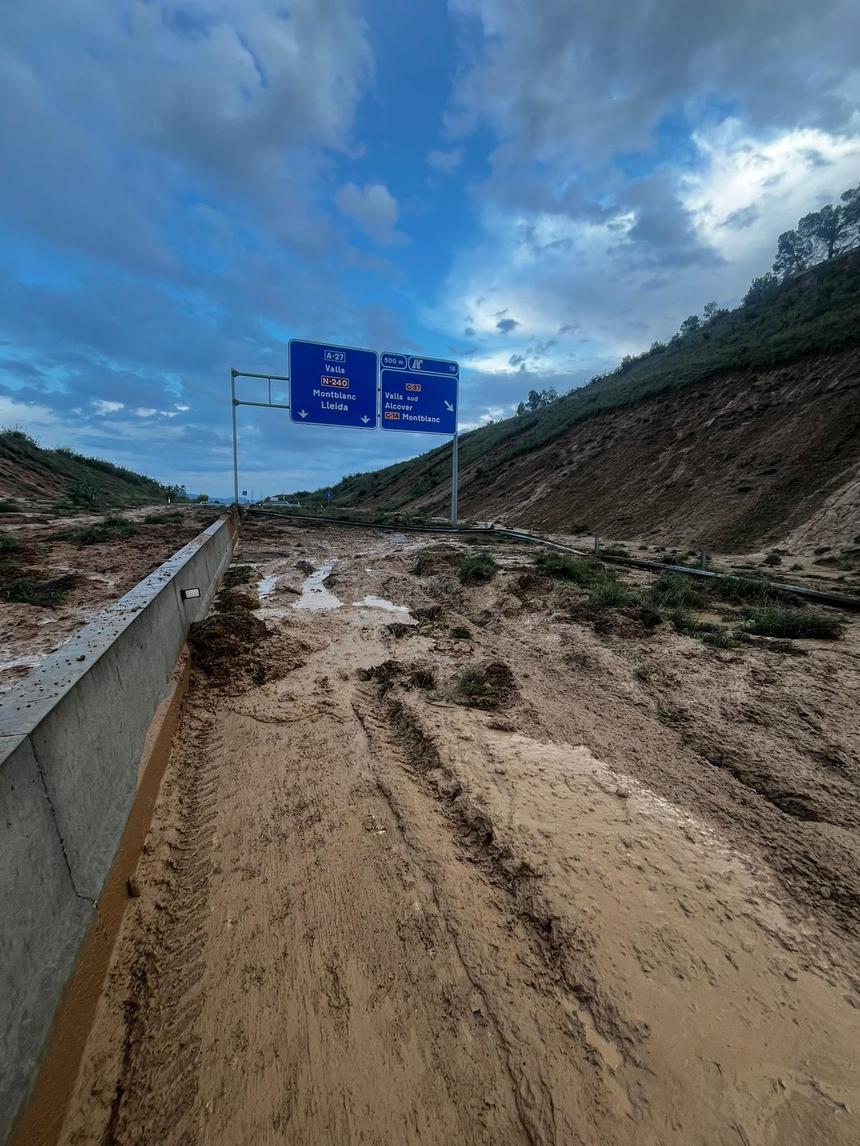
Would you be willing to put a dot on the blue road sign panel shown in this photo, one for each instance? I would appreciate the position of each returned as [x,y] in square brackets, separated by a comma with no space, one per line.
[419,395]
[332,385]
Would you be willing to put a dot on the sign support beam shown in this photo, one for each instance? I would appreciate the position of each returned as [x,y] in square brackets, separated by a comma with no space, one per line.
[234,402]
[455,467]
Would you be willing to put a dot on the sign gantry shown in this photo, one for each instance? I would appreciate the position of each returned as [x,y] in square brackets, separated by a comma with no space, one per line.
[351,387]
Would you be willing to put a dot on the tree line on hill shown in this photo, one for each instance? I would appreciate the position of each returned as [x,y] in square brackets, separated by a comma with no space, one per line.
[819,237]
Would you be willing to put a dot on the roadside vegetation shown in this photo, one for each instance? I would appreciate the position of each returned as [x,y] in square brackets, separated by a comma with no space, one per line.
[744,607]
[88,483]
[812,308]
[109,529]
[475,568]
[793,623]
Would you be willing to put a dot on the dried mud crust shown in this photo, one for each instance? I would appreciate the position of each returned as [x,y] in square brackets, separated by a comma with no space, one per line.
[555,921]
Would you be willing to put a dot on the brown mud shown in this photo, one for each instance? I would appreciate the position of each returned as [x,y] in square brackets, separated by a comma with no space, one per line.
[613,899]
[80,579]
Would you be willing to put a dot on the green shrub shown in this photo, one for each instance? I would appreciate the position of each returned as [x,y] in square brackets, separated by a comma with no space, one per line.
[162,518]
[7,543]
[721,639]
[794,624]
[674,590]
[579,570]
[7,506]
[460,633]
[772,559]
[110,529]
[607,592]
[26,590]
[476,568]
[737,590]
[473,682]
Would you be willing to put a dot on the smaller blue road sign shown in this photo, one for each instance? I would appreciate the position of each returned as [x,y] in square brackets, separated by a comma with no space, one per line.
[332,385]
[419,395]
[329,495]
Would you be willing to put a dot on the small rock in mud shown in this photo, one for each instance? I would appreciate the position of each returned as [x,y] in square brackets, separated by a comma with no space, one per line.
[304,566]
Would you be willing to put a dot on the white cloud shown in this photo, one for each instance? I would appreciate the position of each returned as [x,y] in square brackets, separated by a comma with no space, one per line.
[445,161]
[102,407]
[572,84]
[585,293]
[375,210]
[748,190]
[144,411]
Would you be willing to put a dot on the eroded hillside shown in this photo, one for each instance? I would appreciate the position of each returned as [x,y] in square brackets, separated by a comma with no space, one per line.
[735,462]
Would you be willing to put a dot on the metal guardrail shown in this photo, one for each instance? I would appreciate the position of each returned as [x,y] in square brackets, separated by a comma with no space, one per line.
[836,600]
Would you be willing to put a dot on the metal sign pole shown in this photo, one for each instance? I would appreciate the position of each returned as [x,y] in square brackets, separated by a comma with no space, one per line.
[235,444]
[454,473]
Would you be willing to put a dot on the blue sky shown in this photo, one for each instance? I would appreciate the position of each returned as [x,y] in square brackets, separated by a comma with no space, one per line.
[535,188]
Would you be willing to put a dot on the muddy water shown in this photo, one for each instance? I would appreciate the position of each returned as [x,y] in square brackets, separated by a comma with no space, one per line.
[374,911]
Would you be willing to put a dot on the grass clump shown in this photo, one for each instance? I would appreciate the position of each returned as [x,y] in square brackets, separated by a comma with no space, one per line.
[8,544]
[722,639]
[476,568]
[461,633]
[472,682]
[607,592]
[162,518]
[26,590]
[110,529]
[7,506]
[740,590]
[490,685]
[794,624]
[579,570]
[674,590]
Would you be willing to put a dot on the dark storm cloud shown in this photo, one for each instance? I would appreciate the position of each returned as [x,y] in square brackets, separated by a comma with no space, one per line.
[741,219]
[125,107]
[580,82]
[663,233]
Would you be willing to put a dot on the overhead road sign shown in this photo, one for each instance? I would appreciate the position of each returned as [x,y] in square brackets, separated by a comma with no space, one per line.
[419,395]
[332,385]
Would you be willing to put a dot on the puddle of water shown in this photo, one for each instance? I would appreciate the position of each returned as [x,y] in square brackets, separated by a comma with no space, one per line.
[266,586]
[314,593]
[381,603]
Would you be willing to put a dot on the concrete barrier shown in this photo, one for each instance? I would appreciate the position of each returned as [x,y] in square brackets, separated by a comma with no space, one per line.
[71,739]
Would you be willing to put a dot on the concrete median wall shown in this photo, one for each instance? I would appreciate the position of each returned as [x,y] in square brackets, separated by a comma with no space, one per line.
[71,740]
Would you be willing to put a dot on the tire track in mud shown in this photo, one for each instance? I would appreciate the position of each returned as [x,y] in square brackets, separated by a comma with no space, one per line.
[556,959]
[151,1095]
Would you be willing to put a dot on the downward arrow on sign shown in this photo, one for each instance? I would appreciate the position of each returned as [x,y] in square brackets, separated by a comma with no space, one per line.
[365,419]
[448,405]
[303,413]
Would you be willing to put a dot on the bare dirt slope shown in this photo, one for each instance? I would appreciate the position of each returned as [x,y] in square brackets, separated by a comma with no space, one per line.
[489,872]
[733,463]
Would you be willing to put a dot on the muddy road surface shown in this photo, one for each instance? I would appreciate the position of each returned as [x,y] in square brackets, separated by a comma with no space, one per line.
[440,862]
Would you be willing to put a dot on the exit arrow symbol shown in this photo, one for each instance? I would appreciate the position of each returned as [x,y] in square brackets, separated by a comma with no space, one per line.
[365,419]
[448,405]
[303,413]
